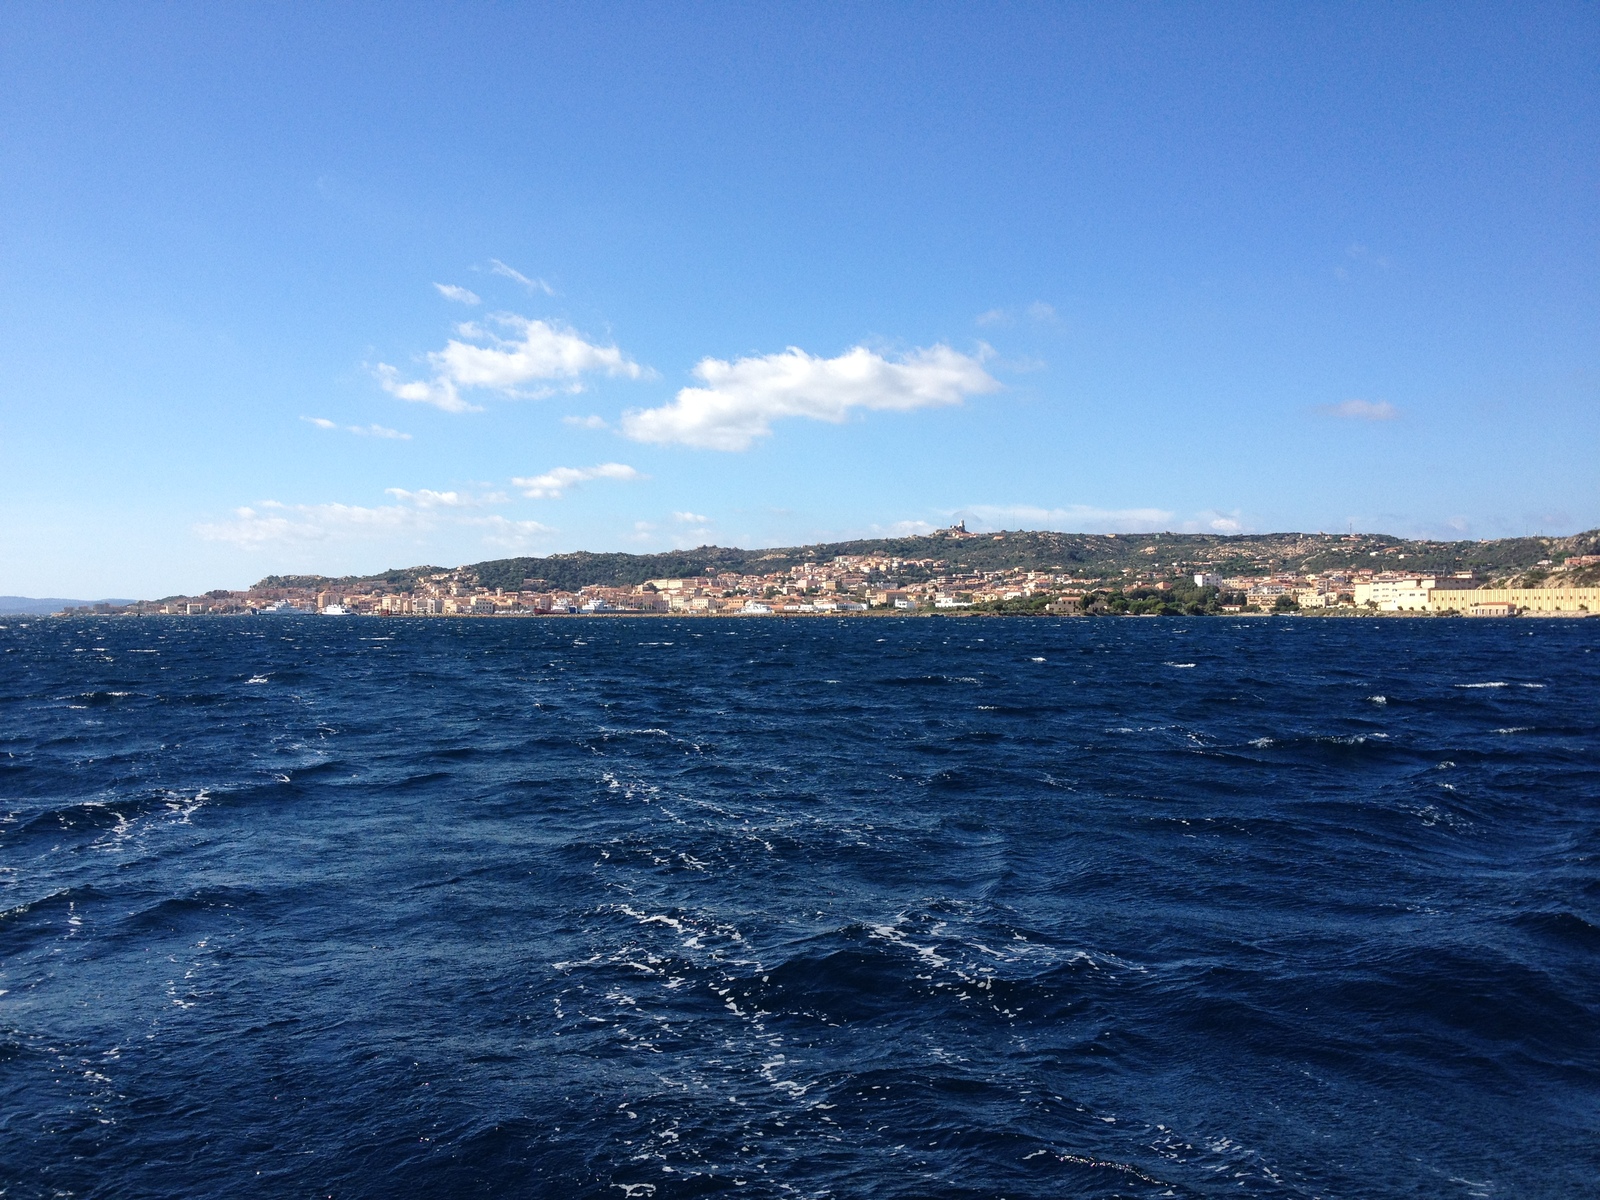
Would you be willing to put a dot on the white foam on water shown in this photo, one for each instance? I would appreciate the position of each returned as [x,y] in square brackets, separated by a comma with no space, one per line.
[1180,666]
[927,953]
[1498,684]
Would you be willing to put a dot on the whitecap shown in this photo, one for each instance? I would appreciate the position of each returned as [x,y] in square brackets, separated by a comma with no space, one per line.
[1482,685]
[1179,665]
[1036,660]
[1379,699]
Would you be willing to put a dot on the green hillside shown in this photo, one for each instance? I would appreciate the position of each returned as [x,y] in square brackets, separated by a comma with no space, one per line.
[1082,555]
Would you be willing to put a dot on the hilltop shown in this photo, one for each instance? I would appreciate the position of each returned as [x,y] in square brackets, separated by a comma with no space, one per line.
[1084,555]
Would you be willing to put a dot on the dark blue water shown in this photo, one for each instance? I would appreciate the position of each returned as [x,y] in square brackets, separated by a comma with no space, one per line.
[865,908]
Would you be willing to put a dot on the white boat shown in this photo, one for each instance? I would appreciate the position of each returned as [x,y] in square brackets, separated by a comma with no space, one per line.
[335,610]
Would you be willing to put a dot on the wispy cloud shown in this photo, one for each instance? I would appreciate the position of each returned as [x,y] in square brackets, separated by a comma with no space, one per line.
[685,529]
[1074,518]
[1358,255]
[377,431]
[428,498]
[556,482]
[509,534]
[742,399]
[1038,312]
[496,267]
[590,422]
[272,522]
[1212,521]
[1360,410]
[524,352]
[416,513]
[451,291]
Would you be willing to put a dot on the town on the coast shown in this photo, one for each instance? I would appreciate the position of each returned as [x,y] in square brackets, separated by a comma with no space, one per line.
[969,573]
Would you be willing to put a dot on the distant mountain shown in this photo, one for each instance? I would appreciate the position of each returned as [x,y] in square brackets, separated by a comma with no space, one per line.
[43,606]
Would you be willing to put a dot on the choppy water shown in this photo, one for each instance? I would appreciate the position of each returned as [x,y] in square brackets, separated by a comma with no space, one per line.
[886,908]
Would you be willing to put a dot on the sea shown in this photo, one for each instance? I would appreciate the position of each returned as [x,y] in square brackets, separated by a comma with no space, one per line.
[767,907]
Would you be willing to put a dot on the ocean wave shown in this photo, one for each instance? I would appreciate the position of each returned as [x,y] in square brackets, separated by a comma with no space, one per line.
[487,915]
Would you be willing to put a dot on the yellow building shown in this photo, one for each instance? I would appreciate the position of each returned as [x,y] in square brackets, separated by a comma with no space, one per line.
[1490,601]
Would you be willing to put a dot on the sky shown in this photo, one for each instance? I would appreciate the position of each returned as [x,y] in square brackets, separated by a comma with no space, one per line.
[338,288]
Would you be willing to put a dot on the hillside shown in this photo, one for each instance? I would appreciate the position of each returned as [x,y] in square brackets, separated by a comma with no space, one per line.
[1084,555]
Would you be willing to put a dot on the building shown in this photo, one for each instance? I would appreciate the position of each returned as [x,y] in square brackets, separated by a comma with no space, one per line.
[1578,601]
[1407,593]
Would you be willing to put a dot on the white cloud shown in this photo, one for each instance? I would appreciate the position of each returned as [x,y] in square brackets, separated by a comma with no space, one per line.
[273,522]
[536,352]
[496,267]
[512,535]
[1038,312]
[377,431]
[689,518]
[451,292]
[428,498]
[590,422]
[741,399]
[1075,518]
[1361,410]
[555,482]
[416,513]
[440,393]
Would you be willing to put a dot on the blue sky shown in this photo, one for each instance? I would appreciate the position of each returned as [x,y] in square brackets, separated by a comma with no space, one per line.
[339,288]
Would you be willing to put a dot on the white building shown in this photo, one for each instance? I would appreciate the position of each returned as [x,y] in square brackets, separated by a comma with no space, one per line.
[1408,593]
